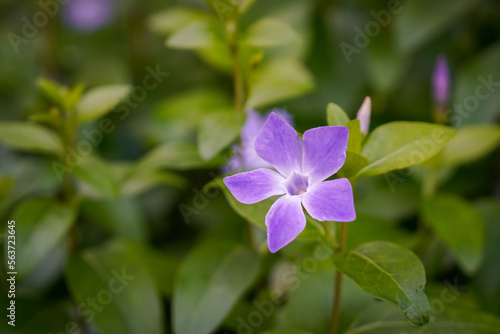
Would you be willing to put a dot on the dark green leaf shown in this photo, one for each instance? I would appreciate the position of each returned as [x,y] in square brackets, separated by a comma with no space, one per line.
[380,319]
[218,130]
[390,272]
[99,101]
[124,294]
[98,176]
[210,281]
[459,225]
[398,145]
[122,217]
[30,137]
[40,225]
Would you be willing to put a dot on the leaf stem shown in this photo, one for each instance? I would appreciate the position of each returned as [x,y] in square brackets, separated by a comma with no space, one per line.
[334,319]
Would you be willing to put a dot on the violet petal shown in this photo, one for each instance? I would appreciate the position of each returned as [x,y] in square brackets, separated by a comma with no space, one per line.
[255,186]
[330,200]
[285,220]
[324,151]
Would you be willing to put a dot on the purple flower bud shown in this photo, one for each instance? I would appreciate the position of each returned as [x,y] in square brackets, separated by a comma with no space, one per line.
[441,83]
[364,115]
[87,15]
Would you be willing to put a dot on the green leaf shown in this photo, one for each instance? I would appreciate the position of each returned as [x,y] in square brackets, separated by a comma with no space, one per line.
[380,319]
[353,164]
[161,266]
[390,272]
[269,32]
[355,136]
[122,217]
[398,145]
[98,176]
[40,225]
[174,156]
[197,35]
[51,89]
[135,183]
[99,101]
[168,21]
[410,31]
[210,281]
[278,80]
[218,130]
[459,225]
[30,137]
[226,10]
[335,115]
[470,143]
[124,295]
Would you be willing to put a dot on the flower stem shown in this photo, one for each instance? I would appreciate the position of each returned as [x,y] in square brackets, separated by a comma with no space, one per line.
[334,319]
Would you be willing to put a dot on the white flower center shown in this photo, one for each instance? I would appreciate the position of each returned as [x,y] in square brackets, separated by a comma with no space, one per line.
[296,184]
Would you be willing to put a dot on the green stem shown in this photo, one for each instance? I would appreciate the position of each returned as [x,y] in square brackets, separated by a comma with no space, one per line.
[337,291]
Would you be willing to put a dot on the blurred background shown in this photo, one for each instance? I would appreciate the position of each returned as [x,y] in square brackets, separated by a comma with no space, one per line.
[344,51]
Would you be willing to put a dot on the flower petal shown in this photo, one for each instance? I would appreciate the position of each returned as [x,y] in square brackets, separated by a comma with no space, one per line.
[280,145]
[255,186]
[330,200]
[324,151]
[252,126]
[285,220]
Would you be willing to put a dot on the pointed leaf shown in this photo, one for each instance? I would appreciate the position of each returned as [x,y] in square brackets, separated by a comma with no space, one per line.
[40,225]
[459,225]
[390,272]
[210,281]
[269,32]
[335,115]
[30,137]
[99,101]
[398,145]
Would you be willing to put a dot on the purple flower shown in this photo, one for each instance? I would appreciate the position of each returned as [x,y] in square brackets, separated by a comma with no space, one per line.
[88,15]
[364,114]
[245,156]
[302,168]
[441,83]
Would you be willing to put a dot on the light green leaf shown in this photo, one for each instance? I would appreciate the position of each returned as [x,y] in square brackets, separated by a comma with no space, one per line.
[30,137]
[168,21]
[121,286]
[198,35]
[335,115]
[40,225]
[218,130]
[355,136]
[390,272]
[269,32]
[410,31]
[122,217]
[98,176]
[278,80]
[173,156]
[51,89]
[99,101]
[470,143]
[353,164]
[136,183]
[380,319]
[398,145]
[459,225]
[210,281]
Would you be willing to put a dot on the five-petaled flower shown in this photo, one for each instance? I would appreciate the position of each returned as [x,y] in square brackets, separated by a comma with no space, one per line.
[302,168]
